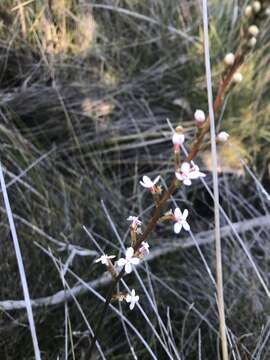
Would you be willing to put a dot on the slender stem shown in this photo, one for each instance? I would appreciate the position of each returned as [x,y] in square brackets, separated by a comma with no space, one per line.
[26,294]
[219,276]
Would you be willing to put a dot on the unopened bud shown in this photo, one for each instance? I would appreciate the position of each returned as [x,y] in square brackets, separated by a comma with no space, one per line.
[237,77]
[178,138]
[256,6]
[248,11]
[223,136]
[199,117]
[229,59]
[253,30]
[252,42]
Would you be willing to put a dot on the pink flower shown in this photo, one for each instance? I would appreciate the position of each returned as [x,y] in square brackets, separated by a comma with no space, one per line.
[149,184]
[132,299]
[181,220]
[104,259]
[129,260]
[144,248]
[135,222]
[188,173]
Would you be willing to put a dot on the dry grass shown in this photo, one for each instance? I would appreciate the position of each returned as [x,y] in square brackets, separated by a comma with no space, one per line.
[91,88]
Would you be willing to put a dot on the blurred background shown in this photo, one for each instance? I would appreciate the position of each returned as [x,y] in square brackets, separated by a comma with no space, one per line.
[85,91]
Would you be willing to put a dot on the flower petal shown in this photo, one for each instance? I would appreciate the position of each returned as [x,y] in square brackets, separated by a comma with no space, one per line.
[131,306]
[128,268]
[143,184]
[129,253]
[185,214]
[178,213]
[135,261]
[122,262]
[156,179]
[194,175]
[128,298]
[187,182]
[186,226]
[177,228]
[147,181]
[185,167]
[179,176]
[131,218]
[104,260]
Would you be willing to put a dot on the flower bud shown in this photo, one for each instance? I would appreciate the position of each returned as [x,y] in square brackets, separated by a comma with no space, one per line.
[229,59]
[248,11]
[199,117]
[237,78]
[256,6]
[223,136]
[178,138]
[252,42]
[253,30]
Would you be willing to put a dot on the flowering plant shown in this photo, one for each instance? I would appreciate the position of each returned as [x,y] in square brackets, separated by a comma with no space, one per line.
[185,170]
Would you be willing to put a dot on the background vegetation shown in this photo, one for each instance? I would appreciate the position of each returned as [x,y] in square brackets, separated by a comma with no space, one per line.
[86,88]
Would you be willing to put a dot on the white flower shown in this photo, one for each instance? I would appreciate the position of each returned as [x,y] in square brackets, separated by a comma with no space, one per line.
[135,222]
[148,183]
[129,260]
[144,248]
[181,220]
[104,259]
[237,77]
[188,173]
[253,30]
[223,136]
[132,299]
[256,6]
[199,116]
[229,59]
